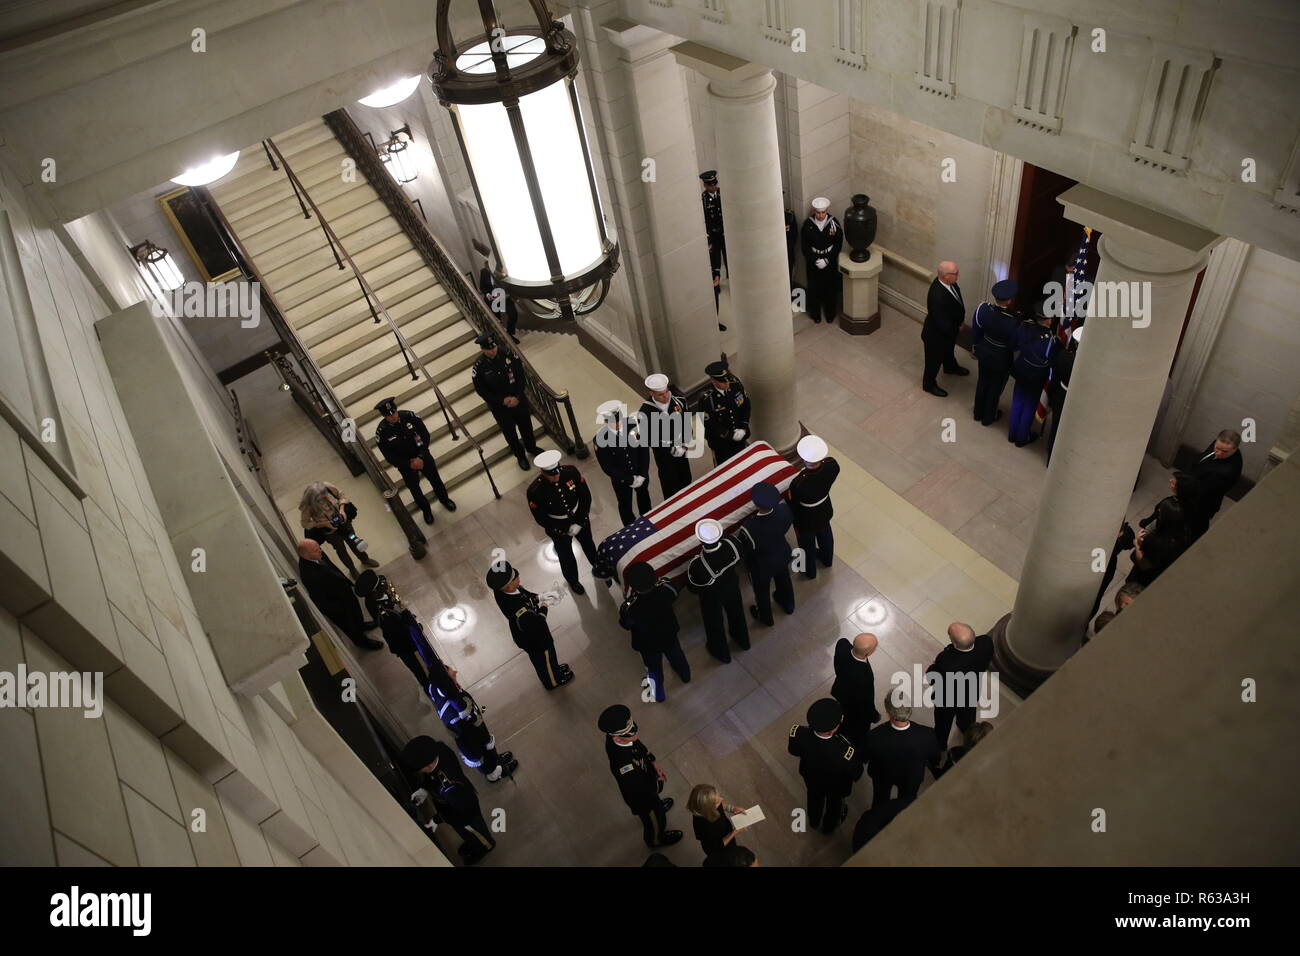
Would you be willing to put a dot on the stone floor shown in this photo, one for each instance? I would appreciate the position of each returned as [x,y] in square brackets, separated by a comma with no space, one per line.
[927,532]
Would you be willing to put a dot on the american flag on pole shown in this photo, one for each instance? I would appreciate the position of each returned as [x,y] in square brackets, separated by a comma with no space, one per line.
[1077,287]
[665,535]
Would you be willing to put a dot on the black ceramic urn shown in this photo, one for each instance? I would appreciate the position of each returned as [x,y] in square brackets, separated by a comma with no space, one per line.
[860,228]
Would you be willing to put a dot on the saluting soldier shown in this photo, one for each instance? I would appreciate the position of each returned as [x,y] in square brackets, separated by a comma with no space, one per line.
[499,378]
[1059,384]
[622,453]
[714,575]
[403,440]
[769,559]
[821,239]
[526,615]
[446,796]
[726,412]
[668,424]
[560,502]
[1034,345]
[828,764]
[648,614]
[993,338]
[810,503]
[639,778]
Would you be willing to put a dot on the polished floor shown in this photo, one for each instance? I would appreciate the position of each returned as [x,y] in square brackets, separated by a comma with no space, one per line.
[927,532]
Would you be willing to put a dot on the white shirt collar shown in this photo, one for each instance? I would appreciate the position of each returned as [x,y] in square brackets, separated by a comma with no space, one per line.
[822,223]
[904,727]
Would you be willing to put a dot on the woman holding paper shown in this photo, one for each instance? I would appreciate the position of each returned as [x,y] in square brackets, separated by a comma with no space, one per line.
[709,818]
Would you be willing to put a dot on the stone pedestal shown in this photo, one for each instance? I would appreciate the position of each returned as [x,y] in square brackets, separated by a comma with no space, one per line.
[860,311]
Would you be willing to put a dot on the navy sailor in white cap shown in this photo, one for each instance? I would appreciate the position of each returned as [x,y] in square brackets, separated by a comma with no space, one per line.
[810,503]
[622,454]
[667,424]
[821,239]
[714,575]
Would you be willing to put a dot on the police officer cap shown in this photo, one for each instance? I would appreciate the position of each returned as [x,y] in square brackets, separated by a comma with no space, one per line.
[640,576]
[825,715]
[419,753]
[821,204]
[1006,289]
[716,370]
[811,449]
[548,460]
[366,584]
[708,530]
[656,382]
[499,575]
[616,720]
[485,341]
[387,406]
[765,495]
[710,176]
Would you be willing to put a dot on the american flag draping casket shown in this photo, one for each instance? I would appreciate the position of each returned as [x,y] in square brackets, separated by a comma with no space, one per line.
[665,535]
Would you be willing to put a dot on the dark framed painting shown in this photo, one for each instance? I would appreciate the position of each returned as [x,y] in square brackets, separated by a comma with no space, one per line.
[199,234]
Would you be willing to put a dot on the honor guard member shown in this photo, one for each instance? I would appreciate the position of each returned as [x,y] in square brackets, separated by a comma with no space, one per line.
[993,338]
[668,426]
[810,504]
[498,302]
[648,614]
[639,778]
[821,239]
[499,379]
[1059,384]
[461,715]
[526,615]
[560,501]
[769,552]
[714,575]
[622,454]
[828,763]
[404,442]
[711,198]
[1031,368]
[855,687]
[445,796]
[791,238]
[726,412]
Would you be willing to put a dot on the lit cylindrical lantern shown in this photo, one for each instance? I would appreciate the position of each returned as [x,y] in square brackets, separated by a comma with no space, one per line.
[159,265]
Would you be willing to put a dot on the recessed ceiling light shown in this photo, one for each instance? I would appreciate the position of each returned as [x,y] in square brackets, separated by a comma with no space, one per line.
[390,95]
[208,172]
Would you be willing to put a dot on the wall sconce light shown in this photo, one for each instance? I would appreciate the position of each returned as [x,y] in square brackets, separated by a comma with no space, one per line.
[394,154]
[158,264]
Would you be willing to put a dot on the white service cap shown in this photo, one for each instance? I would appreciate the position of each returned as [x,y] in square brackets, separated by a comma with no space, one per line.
[656,382]
[610,409]
[1077,335]
[821,203]
[547,460]
[812,449]
[708,530]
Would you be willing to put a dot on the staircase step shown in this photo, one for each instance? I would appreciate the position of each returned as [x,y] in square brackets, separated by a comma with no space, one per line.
[274,247]
[457,387]
[240,183]
[466,403]
[441,354]
[452,376]
[317,267]
[338,327]
[272,206]
[278,190]
[413,311]
[464,464]
[425,326]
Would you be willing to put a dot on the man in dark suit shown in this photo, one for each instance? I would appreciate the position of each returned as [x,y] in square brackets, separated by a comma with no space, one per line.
[331,591]
[945,312]
[1216,471]
[956,672]
[897,754]
[855,687]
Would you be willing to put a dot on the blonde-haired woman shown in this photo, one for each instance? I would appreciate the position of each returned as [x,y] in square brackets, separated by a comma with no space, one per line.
[326,515]
[709,818]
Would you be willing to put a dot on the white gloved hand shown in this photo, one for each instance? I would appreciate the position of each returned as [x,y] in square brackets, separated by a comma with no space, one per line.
[820,263]
[420,796]
[574,529]
[638,481]
[678,451]
[738,434]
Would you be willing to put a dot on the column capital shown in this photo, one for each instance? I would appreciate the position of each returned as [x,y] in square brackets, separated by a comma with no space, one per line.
[636,42]
[728,75]
[1150,241]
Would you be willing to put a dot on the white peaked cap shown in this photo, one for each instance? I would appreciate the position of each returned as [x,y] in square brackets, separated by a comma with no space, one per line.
[1077,335]
[656,382]
[547,460]
[708,530]
[812,449]
[821,203]
[607,410]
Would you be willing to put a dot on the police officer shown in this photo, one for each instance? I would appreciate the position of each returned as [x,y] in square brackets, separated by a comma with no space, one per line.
[639,778]
[648,614]
[769,560]
[726,412]
[526,615]
[993,337]
[1059,385]
[810,503]
[560,501]
[498,301]
[667,424]
[828,764]
[403,440]
[499,378]
[622,454]
[1034,345]
[821,239]
[713,574]
[445,796]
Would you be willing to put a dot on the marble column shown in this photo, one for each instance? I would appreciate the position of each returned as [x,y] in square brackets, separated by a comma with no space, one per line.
[1115,391]
[749,170]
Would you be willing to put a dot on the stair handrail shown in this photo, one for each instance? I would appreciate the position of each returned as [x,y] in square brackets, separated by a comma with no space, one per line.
[377,308]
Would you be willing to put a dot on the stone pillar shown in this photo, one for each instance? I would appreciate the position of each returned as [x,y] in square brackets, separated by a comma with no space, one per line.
[1115,391]
[860,311]
[749,169]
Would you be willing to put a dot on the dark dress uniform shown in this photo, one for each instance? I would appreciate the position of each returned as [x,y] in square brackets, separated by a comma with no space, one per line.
[823,281]
[1058,389]
[462,716]
[769,560]
[724,412]
[499,378]
[452,798]
[633,768]
[331,591]
[945,311]
[531,634]
[963,689]
[898,758]
[623,456]
[713,575]
[498,301]
[855,689]
[791,240]
[403,440]
[667,427]
[993,335]
[712,203]
[810,506]
[653,624]
[1034,345]
[829,766]
[558,504]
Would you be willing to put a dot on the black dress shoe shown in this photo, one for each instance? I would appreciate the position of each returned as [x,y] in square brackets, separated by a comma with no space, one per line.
[428,516]
[370,562]
[564,678]
[523,464]
[994,418]
[753,612]
[1033,437]
[449,504]
[577,588]
[935,390]
[685,678]
[669,838]
[959,370]
[666,804]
